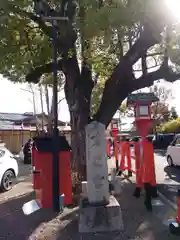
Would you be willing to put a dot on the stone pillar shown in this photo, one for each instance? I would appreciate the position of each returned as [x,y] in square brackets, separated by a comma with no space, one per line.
[102,213]
[97,169]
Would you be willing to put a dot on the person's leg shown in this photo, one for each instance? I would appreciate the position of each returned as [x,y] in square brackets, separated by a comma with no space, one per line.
[137,192]
[128,154]
[122,162]
[148,196]
[25,158]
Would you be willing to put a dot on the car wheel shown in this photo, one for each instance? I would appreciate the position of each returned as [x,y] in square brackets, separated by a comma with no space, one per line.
[170,161]
[7,181]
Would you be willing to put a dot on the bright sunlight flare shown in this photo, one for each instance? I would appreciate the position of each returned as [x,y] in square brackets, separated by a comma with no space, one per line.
[174,7]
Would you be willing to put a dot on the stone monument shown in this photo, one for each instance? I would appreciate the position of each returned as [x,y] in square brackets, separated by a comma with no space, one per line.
[102,211]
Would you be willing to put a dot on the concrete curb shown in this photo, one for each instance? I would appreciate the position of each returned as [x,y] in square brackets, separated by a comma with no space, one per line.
[69,213]
[165,199]
[162,196]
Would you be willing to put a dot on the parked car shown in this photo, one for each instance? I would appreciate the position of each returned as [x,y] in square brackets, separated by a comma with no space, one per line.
[173,152]
[8,169]
[162,141]
[150,137]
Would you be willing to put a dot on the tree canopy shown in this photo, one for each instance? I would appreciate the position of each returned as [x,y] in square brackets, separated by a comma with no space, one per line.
[173,113]
[173,126]
[118,46]
[160,109]
[109,27]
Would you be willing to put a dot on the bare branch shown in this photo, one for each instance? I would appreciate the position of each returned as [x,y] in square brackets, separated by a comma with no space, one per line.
[154,54]
[26,90]
[60,100]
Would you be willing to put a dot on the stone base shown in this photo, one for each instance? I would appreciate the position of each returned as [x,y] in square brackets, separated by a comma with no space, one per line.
[101,218]
[117,185]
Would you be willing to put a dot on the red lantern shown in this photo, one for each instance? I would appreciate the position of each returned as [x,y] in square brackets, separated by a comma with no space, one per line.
[142,109]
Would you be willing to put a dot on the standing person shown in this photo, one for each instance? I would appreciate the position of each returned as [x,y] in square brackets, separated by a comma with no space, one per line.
[111,143]
[27,150]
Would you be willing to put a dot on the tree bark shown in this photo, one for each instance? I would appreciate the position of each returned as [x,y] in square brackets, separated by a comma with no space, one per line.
[78,89]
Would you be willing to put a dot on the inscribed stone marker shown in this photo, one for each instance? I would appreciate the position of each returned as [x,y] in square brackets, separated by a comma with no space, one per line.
[97,170]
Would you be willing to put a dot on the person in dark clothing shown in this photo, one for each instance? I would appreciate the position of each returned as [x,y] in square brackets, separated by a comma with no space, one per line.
[27,150]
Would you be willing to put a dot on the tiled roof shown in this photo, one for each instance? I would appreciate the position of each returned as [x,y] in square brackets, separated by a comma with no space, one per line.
[23,117]
[5,125]
[13,116]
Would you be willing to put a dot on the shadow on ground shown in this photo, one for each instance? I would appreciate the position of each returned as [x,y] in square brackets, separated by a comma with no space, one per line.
[173,173]
[24,172]
[44,224]
[14,224]
[138,223]
[169,191]
[171,183]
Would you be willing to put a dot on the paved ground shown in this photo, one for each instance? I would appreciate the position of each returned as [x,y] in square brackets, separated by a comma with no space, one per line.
[168,178]
[139,224]
[46,225]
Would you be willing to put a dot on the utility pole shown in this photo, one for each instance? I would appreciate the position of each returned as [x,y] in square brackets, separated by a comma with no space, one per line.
[42,105]
[40,8]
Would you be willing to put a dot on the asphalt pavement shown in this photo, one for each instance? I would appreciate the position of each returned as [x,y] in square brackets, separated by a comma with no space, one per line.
[168,178]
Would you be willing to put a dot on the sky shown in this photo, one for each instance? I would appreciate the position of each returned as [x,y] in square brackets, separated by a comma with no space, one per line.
[14,98]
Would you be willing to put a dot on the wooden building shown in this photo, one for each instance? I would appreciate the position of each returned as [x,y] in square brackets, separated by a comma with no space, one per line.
[16,129]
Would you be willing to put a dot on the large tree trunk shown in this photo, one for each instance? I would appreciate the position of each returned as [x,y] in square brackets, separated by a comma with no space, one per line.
[78,123]
[78,89]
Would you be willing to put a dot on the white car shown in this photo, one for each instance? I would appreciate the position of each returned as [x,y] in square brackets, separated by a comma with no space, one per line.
[173,152]
[8,169]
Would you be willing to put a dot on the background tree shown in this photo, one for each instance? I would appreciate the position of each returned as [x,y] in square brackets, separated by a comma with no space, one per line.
[102,38]
[173,126]
[125,110]
[43,92]
[160,109]
[173,113]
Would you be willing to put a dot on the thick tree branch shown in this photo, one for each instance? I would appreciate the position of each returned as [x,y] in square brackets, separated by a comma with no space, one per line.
[42,25]
[161,73]
[118,86]
[154,54]
[154,66]
[36,73]
[144,65]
